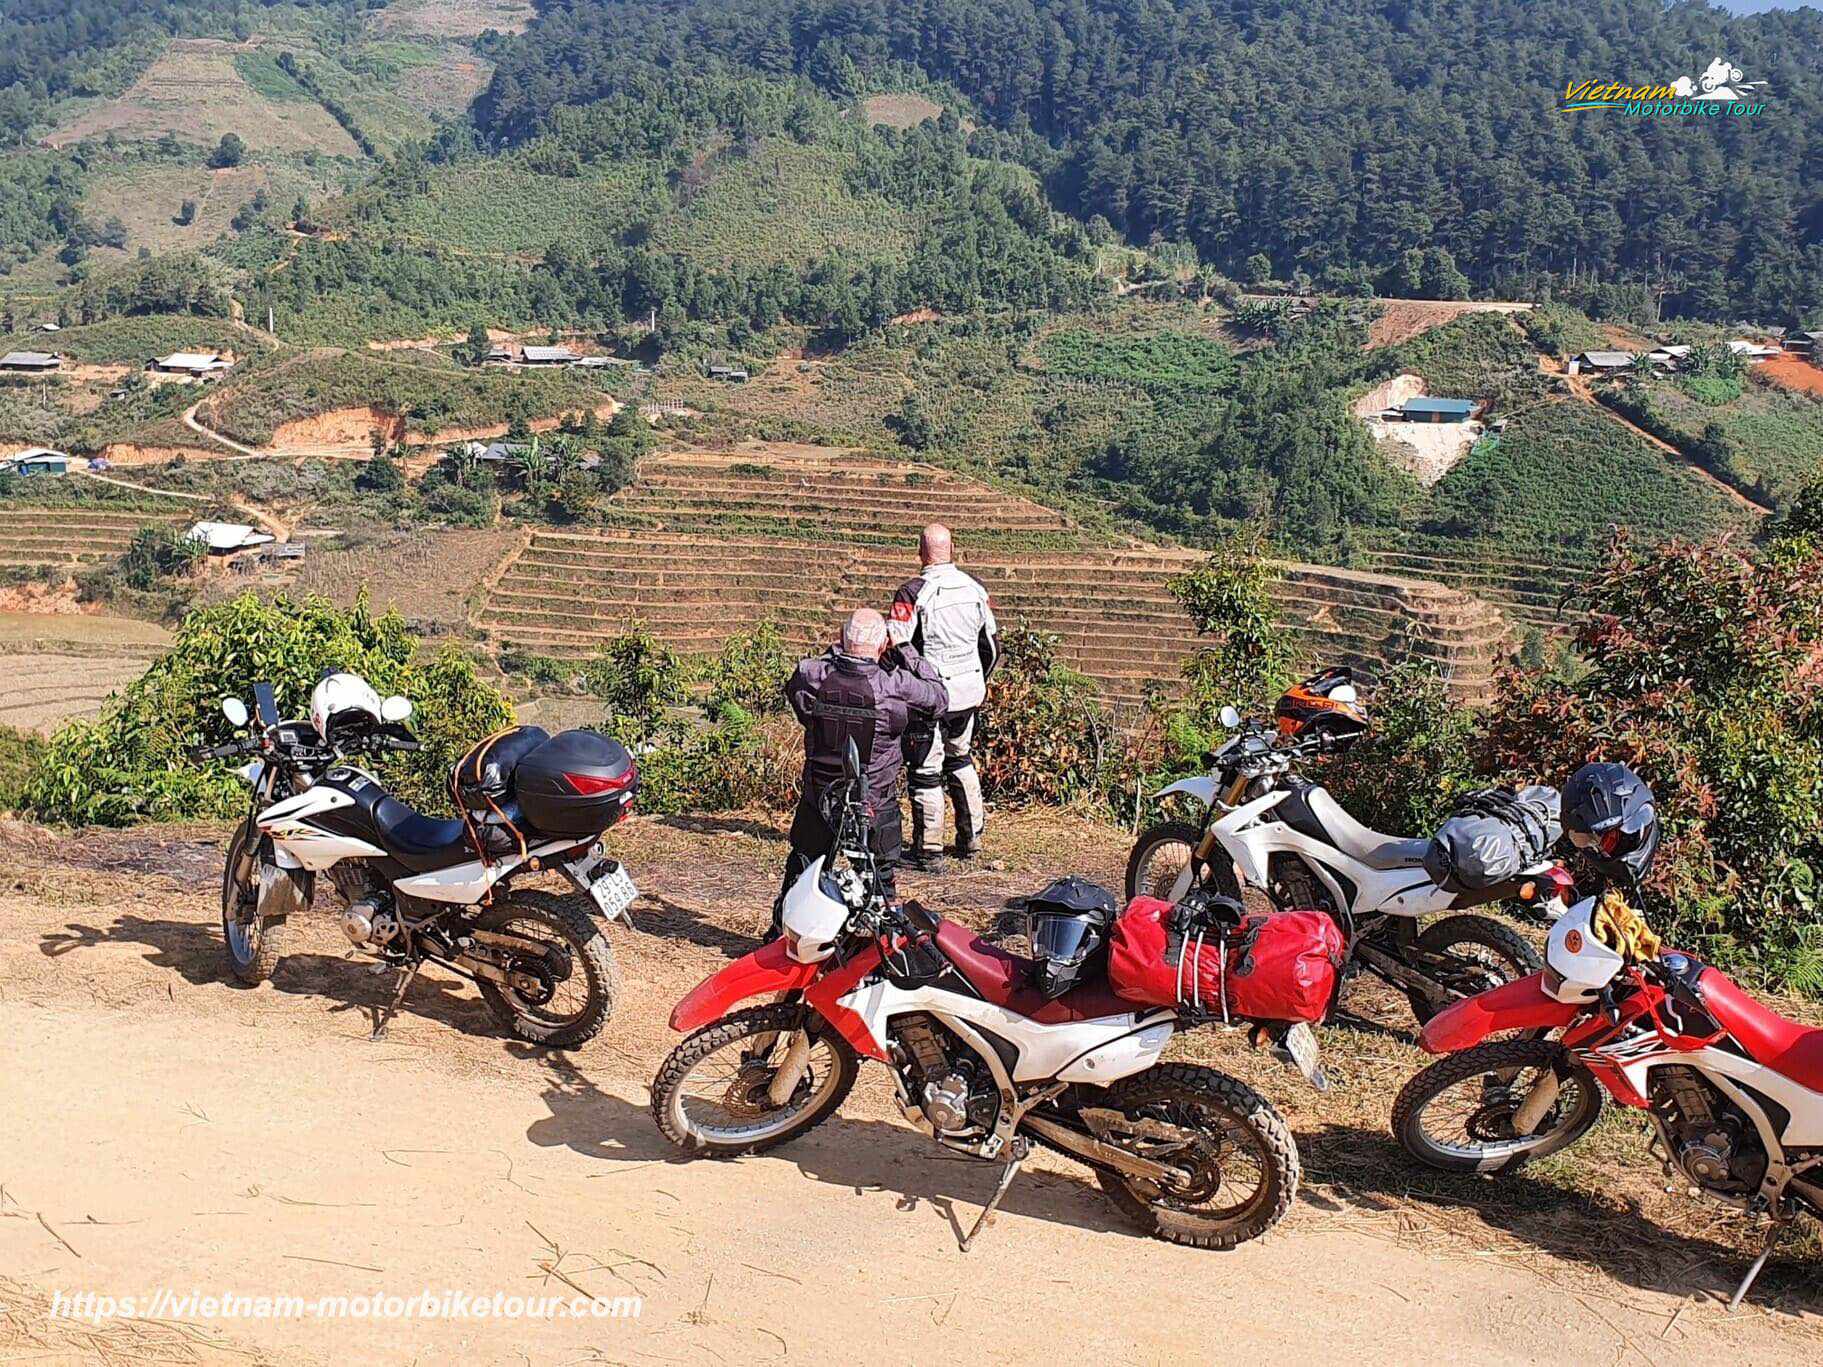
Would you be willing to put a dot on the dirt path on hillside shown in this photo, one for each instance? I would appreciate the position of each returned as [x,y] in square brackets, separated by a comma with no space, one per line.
[1582,390]
[168,1130]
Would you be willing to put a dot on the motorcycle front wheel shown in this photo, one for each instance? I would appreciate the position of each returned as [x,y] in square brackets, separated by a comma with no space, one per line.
[1162,853]
[713,1098]
[1241,1156]
[564,995]
[251,943]
[1458,1113]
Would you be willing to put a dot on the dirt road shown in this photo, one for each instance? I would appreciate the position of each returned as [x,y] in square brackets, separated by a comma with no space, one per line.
[166,1129]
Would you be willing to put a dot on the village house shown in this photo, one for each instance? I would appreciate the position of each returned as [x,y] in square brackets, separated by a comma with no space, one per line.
[1423,408]
[31,362]
[197,365]
[1601,362]
[549,356]
[1668,357]
[225,538]
[36,461]
[731,374]
[1804,343]
[499,355]
[1752,352]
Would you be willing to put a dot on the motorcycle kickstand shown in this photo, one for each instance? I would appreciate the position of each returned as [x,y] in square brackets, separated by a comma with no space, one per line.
[398,996]
[1740,1292]
[1006,1180]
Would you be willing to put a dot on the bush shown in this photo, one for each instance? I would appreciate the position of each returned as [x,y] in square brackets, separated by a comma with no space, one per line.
[1248,661]
[157,554]
[637,678]
[130,763]
[751,672]
[1415,761]
[1044,736]
[20,755]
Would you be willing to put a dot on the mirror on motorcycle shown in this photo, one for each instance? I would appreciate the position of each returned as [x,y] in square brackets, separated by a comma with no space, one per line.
[1230,718]
[395,709]
[235,711]
[851,762]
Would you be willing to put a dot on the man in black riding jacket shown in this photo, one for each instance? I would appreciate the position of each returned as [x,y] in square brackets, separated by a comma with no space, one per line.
[864,691]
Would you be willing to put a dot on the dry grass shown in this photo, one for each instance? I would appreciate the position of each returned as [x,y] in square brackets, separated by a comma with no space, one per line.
[28,1333]
[455,18]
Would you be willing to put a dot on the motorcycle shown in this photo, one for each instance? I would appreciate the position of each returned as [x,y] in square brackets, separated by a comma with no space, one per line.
[1265,825]
[981,1062]
[1734,1090]
[411,887]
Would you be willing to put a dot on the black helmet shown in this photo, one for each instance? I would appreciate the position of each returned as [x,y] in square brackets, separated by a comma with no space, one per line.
[1068,927]
[1609,814]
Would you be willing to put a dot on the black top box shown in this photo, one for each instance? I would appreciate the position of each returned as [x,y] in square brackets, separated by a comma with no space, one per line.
[576,783]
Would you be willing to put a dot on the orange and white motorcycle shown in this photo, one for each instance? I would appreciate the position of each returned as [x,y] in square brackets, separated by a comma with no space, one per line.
[1733,1089]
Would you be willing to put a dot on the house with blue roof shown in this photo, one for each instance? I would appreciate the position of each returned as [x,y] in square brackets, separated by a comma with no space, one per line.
[1423,408]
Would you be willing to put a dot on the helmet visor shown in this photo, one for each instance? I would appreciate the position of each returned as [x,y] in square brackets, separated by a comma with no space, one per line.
[1063,939]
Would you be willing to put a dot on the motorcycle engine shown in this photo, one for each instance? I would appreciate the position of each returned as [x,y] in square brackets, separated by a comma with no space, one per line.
[367,916]
[955,1091]
[1290,883]
[1712,1142]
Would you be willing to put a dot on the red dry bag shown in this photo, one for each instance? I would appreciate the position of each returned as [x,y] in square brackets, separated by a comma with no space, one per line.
[1273,966]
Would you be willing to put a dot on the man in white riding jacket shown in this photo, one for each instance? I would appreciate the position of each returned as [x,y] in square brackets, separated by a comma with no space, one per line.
[947,616]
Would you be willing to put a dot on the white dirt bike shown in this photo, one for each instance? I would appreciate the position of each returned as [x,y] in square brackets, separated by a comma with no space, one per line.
[1264,826]
[412,887]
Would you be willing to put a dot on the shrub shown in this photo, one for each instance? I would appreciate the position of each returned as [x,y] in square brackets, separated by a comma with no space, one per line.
[159,553]
[637,678]
[130,763]
[1416,759]
[750,672]
[1044,736]
[20,754]
[1248,661]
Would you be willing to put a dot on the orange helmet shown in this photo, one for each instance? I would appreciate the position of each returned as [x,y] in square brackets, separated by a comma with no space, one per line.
[1324,704]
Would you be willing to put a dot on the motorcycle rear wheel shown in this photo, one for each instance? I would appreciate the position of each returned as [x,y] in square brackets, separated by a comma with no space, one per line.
[552,1012]
[1490,952]
[250,943]
[1236,1130]
[1457,1114]
[737,1057]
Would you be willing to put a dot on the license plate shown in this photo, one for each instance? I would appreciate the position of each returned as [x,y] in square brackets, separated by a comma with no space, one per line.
[613,890]
[1301,1043]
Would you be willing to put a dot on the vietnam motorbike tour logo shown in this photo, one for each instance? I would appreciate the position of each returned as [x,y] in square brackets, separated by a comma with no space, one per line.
[1720,92]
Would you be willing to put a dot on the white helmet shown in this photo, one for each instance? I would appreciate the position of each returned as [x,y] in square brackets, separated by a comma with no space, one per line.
[1577,964]
[814,915]
[340,699]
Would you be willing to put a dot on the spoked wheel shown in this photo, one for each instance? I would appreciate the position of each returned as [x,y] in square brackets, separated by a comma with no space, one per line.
[1240,1161]
[714,1094]
[562,992]
[1468,955]
[252,943]
[1458,1114]
[1163,853]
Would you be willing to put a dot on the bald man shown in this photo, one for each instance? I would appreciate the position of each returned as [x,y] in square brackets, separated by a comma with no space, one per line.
[948,617]
[866,690]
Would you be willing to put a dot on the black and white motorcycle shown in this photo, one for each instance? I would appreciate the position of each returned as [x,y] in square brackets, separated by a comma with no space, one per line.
[417,889]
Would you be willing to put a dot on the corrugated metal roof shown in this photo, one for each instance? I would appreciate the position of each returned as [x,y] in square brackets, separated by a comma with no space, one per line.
[1422,404]
[1607,358]
[549,353]
[30,358]
[191,360]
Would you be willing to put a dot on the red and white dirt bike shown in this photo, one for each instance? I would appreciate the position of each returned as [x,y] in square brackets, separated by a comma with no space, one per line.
[982,1062]
[1734,1090]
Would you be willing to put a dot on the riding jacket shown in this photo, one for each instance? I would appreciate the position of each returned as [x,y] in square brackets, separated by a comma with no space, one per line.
[841,697]
[948,616]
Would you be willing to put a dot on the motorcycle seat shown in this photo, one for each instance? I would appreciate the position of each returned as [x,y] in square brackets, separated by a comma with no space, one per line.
[421,843]
[1006,980]
[1373,849]
[1786,1047]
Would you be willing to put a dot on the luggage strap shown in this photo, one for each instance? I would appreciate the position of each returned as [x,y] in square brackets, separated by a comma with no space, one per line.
[474,759]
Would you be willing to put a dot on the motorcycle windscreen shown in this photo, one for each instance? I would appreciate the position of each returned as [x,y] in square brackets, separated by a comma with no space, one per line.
[1518,1005]
[768,969]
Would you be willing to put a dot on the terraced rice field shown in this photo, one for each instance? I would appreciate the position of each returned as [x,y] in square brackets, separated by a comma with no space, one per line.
[714,544]
[71,537]
[1532,593]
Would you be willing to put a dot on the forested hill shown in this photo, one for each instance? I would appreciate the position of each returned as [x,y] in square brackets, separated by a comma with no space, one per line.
[1332,136]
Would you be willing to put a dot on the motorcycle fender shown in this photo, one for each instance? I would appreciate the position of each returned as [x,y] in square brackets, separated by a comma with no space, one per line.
[1519,1005]
[1231,834]
[768,969]
[1202,789]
